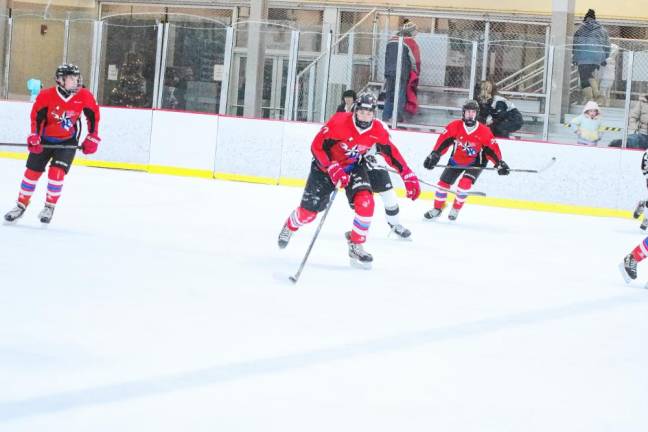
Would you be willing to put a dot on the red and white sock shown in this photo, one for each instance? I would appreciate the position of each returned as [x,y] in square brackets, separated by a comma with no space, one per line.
[441,196]
[55,177]
[299,217]
[641,251]
[28,186]
[464,186]
[363,203]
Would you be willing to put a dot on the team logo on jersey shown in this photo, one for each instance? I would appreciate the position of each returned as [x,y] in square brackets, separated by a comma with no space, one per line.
[64,120]
[468,149]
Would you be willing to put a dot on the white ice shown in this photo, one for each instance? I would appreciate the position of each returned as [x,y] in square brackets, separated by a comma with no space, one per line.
[158,303]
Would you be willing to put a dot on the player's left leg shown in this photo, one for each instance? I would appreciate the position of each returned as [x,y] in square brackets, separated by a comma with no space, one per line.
[58,169]
[360,196]
[381,184]
[465,184]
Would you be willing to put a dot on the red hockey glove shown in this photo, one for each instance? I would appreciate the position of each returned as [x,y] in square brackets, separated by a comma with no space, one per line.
[337,174]
[90,144]
[411,184]
[34,144]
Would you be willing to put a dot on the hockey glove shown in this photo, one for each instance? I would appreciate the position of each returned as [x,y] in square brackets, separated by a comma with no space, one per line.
[90,144]
[337,175]
[432,160]
[34,144]
[411,184]
[503,168]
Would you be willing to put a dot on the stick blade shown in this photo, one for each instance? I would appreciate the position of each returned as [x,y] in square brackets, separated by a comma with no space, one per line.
[293,279]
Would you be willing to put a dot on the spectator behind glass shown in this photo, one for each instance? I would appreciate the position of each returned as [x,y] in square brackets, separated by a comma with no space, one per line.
[607,75]
[495,111]
[348,100]
[638,124]
[410,69]
[587,126]
[591,49]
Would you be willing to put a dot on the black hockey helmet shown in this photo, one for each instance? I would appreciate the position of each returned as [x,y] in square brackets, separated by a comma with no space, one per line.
[67,69]
[367,102]
[64,70]
[471,105]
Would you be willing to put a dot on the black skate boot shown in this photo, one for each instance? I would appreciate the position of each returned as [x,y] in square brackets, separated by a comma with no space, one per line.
[628,268]
[639,209]
[644,223]
[359,257]
[284,237]
[46,214]
[432,214]
[454,212]
[15,213]
[401,231]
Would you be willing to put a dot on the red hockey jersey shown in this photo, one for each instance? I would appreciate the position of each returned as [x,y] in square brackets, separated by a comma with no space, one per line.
[468,147]
[340,140]
[55,117]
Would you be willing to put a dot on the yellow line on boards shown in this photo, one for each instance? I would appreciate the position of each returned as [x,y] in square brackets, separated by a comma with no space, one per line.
[284,181]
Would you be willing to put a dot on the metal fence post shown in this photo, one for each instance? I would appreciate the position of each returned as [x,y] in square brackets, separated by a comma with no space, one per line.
[96,56]
[291,88]
[160,64]
[325,75]
[473,71]
[227,68]
[549,90]
[486,50]
[350,53]
[628,97]
[66,40]
[311,95]
[395,98]
[8,56]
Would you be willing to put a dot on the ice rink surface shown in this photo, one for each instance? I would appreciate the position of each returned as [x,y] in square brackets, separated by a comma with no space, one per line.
[158,303]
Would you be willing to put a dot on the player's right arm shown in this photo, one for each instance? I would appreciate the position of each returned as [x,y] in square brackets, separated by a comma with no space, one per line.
[39,113]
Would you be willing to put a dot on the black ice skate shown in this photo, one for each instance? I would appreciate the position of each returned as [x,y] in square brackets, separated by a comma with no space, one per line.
[454,212]
[432,214]
[284,237]
[46,214]
[359,257]
[15,213]
[401,231]
[639,209]
[644,223]
[628,268]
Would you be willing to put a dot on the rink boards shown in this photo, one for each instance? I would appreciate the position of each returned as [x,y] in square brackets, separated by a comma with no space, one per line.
[584,180]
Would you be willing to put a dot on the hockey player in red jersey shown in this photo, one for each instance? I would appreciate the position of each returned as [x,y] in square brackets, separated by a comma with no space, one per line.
[338,161]
[55,122]
[473,145]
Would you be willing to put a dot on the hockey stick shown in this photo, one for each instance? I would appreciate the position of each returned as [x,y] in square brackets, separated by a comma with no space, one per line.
[532,171]
[452,191]
[49,146]
[295,278]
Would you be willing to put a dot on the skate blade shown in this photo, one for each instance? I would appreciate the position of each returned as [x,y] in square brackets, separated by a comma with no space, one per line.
[392,233]
[624,274]
[360,265]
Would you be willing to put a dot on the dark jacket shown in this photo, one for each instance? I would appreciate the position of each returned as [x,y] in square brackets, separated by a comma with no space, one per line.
[591,44]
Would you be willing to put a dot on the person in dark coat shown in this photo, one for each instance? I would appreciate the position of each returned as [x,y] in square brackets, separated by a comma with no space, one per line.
[591,49]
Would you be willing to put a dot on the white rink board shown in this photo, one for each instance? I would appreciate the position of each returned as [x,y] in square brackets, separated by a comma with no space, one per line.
[249,147]
[270,149]
[184,140]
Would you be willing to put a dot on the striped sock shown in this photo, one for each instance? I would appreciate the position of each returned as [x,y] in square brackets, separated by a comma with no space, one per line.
[28,186]
[55,178]
[641,251]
